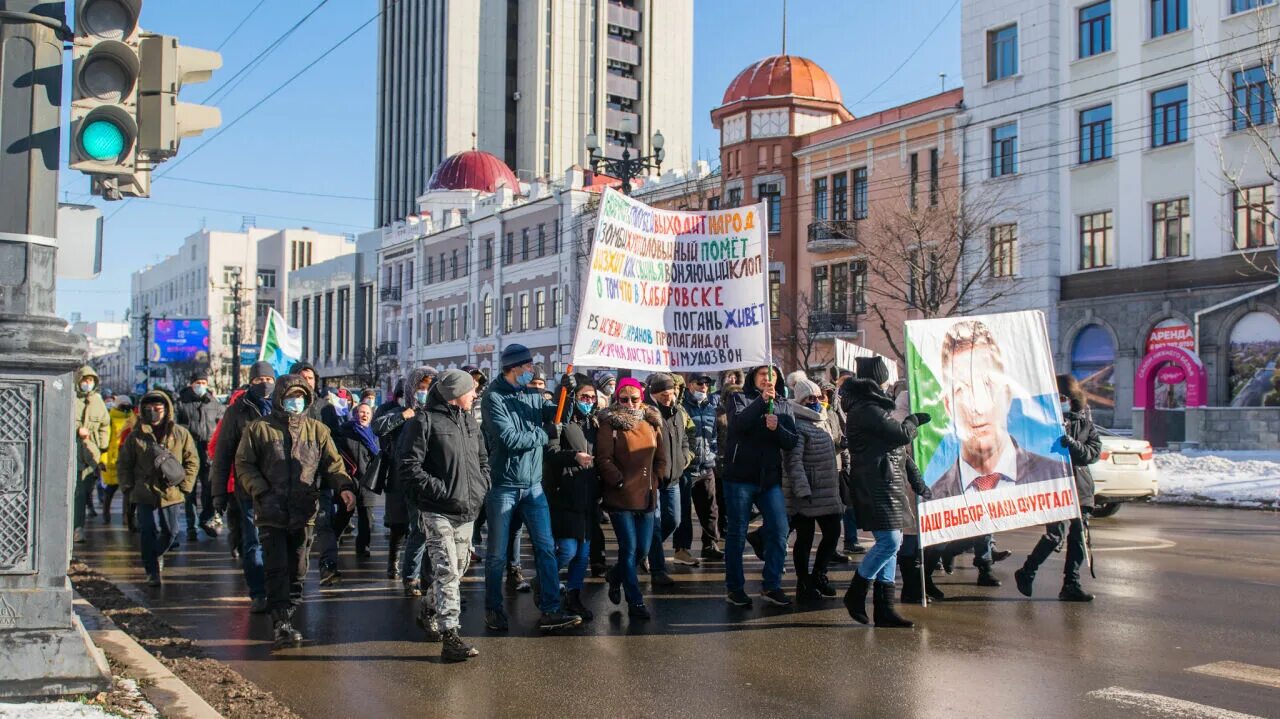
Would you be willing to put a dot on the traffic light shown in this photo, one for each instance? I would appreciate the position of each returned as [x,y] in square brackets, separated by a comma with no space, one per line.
[166,68]
[106,69]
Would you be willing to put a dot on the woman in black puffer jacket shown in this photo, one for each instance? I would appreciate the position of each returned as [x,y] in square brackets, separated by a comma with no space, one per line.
[1082,442]
[572,487]
[878,475]
[811,488]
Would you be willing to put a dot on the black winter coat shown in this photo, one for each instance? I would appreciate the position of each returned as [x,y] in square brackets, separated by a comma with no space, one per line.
[443,467]
[675,441]
[388,423]
[811,485]
[243,411]
[199,415]
[878,470]
[753,453]
[1085,446]
[573,492]
[353,450]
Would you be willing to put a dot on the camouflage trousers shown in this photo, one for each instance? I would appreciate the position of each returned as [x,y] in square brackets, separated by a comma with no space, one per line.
[448,552]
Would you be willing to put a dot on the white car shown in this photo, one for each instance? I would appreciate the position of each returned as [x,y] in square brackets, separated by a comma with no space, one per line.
[1124,472]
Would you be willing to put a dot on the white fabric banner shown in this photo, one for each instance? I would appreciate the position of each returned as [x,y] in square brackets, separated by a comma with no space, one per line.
[848,352]
[675,291]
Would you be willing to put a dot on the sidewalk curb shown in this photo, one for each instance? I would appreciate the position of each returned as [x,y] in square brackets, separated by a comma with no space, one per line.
[169,694]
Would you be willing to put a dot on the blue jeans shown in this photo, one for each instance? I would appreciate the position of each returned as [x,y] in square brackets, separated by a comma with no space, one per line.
[634,531]
[502,504]
[573,554]
[739,497]
[415,544]
[255,573]
[668,519]
[879,563]
[850,528]
[157,533]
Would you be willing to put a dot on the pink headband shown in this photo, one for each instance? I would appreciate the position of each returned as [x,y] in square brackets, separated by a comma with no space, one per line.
[629,382]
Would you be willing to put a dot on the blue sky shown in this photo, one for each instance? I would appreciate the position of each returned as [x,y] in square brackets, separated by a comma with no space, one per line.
[317,135]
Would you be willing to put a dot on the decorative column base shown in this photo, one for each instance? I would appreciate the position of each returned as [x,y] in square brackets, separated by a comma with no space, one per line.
[37,663]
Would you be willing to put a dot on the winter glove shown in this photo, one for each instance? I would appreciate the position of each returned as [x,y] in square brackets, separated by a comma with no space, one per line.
[220,504]
[569,384]
[921,418]
[927,494]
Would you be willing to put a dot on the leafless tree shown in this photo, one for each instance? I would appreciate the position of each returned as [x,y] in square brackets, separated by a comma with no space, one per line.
[371,368]
[807,325]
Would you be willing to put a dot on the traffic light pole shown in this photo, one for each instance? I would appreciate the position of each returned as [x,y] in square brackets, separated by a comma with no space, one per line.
[38,447]
[236,288]
[146,347]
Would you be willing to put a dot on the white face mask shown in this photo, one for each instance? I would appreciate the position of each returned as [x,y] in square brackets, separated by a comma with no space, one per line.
[1066,406]
[698,396]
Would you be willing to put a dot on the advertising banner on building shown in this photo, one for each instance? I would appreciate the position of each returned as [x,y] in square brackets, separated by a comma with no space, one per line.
[675,291]
[848,352]
[180,341]
[993,453]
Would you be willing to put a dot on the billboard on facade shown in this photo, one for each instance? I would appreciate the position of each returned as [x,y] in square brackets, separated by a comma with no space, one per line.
[180,340]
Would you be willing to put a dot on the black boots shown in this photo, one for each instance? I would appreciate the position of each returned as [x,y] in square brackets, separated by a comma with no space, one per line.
[912,584]
[885,611]
[573,605]
[806,589]
[454,649]
[1072,592]
[285,635]
[823,585]
[1024,578]
[855,600]
[986,577]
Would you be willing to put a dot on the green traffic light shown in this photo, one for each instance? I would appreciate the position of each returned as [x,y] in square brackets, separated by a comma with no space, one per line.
[102,140]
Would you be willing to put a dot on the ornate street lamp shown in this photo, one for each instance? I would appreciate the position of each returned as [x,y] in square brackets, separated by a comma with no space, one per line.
[626,168]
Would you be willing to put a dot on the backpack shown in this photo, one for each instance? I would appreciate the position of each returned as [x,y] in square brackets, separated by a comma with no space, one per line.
[165,464]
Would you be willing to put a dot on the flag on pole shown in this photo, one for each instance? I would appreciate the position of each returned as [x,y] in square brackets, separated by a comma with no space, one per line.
[281,344]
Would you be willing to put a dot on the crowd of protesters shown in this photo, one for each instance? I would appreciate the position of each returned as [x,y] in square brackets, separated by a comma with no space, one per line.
[472,469]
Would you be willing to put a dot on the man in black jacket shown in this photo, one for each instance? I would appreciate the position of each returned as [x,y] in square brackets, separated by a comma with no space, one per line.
[253,404]
[199,411]
[760,428]
[445,472]
[662,395]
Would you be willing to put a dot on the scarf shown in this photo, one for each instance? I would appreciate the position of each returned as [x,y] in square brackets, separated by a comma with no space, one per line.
[365,435]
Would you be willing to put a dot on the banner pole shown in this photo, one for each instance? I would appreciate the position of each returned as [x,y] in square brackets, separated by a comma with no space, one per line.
[563,391]
[924,592]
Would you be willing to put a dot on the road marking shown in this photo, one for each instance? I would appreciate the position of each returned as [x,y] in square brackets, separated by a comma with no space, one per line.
[1156,705]
[1160,544]
[1251,673]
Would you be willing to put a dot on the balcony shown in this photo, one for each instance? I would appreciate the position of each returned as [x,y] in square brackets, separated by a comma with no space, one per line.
[624,17]
[389,294]
[828,323]
[623,52]
[622,86]
[617,119]
[388,349]
[833,236]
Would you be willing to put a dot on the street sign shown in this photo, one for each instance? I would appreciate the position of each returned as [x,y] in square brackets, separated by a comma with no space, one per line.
[248,355]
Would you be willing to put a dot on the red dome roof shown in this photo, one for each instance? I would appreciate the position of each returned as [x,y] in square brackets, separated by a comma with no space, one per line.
[780,76]
[473,170]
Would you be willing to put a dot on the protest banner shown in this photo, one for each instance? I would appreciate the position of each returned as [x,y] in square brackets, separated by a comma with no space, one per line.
[848,352]
[675,291]
[993,452]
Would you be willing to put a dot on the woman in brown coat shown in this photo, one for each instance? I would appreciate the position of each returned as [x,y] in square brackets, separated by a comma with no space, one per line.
[629,461]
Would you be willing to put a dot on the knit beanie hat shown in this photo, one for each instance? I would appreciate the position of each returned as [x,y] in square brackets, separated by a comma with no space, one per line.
[261,369]
[453,383]
[661,382]
[805,388]
[514,355]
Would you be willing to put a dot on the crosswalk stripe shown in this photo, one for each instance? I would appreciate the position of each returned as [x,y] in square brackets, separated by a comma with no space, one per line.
[1157,705]
[1241,672]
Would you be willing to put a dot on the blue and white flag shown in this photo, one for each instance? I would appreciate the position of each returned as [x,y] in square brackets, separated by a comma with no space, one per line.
[281,344]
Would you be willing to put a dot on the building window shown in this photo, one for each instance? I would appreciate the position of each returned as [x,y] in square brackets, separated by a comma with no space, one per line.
[839,305]
[453,265]
[858,287]
[840,197]
[453,324]
[465,328]
[1254,211]
[915,177]
[735,197]
[426,328]
[1095,240]
[1171,229]
[408,275]
[860,193]
[775,293]
[344,317]
[1004,251]
[266,279]
[1002,53]
[1168,16]
[442,267]
[542,241]
[762,157]
[229,274]
[1095,134]
[820,198]
[524,312]
[1169,116]
[430,274]
[1252,100]
[228,306]
[508,317]
[509,249]
[933,178]
[1242,5]
[487,320]
[1095,29]
[540,309]
[488,253]
[713,203]
[524,244]
[1004,150]
[439,325]
[821,291]
[773,206]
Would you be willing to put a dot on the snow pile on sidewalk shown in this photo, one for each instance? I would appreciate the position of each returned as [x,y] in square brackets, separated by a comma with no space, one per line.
[1229,479]
[54,710]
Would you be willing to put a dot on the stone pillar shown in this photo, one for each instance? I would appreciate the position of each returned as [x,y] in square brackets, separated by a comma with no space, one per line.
[1195,417]
[1139,423]
[44,650]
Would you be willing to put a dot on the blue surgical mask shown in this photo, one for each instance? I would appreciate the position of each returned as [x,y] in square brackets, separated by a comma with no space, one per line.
[294,405]
[815,406]
[420,396]
[1066,406]
[200,390]
[525,378]
[586,407]
[87,386]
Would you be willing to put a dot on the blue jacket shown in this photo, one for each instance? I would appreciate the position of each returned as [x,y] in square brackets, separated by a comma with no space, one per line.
[512,420]
[702,431]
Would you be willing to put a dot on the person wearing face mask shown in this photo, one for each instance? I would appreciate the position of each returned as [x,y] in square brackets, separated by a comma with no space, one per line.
[399,515]
[811,488]
[361,450]
[573,492]
[369,398]
[1081,439]
[93,437]
[663,394]
[320,408]
[252,404]
[122,419]
[200,413]
[514,415]
[388,422]
[698,485]
[282,462]
[158,465]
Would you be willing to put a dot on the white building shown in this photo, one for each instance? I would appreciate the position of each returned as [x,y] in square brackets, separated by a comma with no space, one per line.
[334,304]
[108,354]
[527,81]
[197,281]
[1112,128]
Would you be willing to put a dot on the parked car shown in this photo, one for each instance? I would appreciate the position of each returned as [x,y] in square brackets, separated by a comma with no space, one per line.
[1125,472]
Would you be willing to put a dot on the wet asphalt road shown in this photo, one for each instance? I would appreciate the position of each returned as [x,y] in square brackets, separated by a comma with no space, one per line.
[1178,588]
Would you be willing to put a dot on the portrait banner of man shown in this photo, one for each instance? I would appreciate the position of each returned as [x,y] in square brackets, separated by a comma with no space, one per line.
[993,454]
